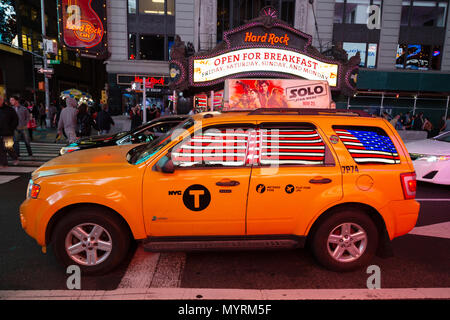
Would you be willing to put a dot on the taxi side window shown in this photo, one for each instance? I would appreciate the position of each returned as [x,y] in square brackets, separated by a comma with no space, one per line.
[217,146]
[295,144]
[368,145]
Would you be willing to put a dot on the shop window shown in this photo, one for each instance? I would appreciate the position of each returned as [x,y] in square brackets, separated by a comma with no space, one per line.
[353,11]
[367,52]
[151,47]
[156,7]
[418,57]
[132,6]
[424,13]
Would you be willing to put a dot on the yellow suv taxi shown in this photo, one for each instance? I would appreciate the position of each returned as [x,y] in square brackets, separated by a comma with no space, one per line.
[340,182]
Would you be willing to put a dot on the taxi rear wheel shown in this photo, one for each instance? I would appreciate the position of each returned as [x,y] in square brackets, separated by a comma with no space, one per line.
[91,238]
[345,240]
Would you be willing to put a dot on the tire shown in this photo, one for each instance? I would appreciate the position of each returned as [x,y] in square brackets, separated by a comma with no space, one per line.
[346,240]
[91,238]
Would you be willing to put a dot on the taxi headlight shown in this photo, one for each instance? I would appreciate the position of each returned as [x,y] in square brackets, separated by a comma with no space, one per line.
[428,157]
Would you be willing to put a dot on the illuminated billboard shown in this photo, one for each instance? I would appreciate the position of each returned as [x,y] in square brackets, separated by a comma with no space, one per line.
[82,26]
[254,60]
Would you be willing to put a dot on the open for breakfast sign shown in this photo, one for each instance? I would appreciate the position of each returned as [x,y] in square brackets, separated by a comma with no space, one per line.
[254,60]
[250,94]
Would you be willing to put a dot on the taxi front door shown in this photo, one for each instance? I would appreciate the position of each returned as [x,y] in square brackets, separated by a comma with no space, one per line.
[207,192]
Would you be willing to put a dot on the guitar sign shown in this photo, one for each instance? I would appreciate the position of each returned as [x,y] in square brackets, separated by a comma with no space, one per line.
[82,24]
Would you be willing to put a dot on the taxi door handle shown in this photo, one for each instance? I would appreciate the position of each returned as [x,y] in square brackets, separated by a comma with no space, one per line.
[227,183]
[320,181]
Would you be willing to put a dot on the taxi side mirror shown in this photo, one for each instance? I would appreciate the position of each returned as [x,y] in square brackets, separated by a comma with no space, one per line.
[165,165]
[168,167]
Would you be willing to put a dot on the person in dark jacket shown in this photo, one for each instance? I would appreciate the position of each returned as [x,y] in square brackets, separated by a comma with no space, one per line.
[104,120]
[8,123]
[84,121]
[136,119]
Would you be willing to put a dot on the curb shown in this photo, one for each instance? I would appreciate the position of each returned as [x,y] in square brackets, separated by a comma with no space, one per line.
[230,294]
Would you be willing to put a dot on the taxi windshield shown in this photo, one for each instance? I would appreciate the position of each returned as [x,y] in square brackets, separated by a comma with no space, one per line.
[143,152]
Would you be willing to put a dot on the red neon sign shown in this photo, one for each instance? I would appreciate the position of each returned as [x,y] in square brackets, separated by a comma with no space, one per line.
[82,24]
[150,82]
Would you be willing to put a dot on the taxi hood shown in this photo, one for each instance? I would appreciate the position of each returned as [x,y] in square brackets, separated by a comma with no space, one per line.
[97,159]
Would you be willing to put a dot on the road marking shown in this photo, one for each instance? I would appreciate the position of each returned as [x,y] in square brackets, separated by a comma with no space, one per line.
[169,270]
[18,169]
[154,270]
[6,179]
[229,294]
[444,199]
[438,230]
[140,270]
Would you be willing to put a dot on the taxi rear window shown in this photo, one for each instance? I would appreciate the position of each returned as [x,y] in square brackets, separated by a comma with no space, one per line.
[368,145]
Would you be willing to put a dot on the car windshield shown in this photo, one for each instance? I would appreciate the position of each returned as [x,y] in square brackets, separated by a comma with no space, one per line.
[443,137]
[143,152]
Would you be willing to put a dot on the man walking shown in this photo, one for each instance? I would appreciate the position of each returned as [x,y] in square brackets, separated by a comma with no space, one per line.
[8,123]
[68,120]
[104,120]
[21,132]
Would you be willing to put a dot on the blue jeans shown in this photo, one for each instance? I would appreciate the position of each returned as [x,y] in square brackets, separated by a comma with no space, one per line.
[22,134]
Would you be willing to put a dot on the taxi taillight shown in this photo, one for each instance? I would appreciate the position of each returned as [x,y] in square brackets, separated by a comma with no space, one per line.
[409,185]
[34,192]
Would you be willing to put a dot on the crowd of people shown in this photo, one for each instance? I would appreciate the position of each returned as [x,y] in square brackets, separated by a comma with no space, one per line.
[153,112]
[19,118]
[418,122]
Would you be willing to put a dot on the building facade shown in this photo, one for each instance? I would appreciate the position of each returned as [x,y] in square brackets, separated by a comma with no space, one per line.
[21,56]
[404,45]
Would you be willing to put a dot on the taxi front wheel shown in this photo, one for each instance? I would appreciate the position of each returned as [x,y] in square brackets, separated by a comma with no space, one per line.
[91,238]
[345,240]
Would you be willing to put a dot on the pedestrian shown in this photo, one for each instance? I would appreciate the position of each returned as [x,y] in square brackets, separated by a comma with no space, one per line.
[136,119]
[427,126]
[21,132]
[395,122]
[8,123]
[68,120]
[418,122]
[104,120]
[42,116]
[52,114]
[84,121]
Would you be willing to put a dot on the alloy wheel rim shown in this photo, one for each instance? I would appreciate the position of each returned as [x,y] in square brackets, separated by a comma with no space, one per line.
[88,244]
[347,242]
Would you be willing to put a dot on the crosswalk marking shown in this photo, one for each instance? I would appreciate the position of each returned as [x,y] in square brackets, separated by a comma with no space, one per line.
[5,179]
[18,169]
[154,270]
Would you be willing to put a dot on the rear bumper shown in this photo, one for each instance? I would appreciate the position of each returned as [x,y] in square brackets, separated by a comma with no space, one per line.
[403,217]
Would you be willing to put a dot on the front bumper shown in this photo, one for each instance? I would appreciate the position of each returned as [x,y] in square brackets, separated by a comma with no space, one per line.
[433,171]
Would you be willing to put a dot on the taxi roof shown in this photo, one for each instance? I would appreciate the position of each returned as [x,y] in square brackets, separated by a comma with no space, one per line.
[287,114]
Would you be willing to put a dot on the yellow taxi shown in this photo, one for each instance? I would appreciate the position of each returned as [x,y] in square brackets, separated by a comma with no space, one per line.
[341,183]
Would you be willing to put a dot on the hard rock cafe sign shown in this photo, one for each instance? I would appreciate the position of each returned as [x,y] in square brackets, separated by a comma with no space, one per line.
[82,26]
[266,47]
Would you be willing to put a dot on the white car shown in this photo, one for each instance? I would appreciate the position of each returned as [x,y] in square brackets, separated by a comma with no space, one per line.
[431,158]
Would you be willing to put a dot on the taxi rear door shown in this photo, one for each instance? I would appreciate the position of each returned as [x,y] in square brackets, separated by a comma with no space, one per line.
[296,177]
